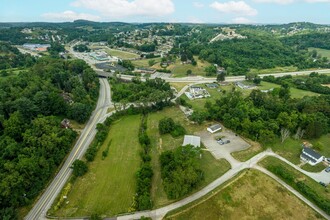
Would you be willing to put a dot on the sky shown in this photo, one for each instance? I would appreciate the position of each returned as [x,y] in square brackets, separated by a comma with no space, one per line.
[202,11]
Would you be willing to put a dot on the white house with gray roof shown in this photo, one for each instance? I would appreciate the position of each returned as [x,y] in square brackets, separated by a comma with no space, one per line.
[310,156]
[192,140]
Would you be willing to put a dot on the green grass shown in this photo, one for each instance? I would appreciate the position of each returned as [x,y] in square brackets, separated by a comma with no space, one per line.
[317,168]
[321,191]
[275,70]
[180,70]
[122,54]
[212,168]
[198,104]
[145,62]
[251,195]
[291,149]
[109,186]
[322,52]
[247,154]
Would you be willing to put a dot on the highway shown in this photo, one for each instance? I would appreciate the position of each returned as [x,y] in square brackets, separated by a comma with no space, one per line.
[39,211]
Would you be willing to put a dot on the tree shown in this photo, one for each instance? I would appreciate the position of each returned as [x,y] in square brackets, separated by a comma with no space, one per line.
[79,168]
[257,80]
[151,62]
[198,116]
[189,72]
[285,133]
[210,70]
[221,77]
[299,134]
[166,125]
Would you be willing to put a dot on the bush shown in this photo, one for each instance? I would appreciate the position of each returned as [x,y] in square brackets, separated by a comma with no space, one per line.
[167,125]
[79,168]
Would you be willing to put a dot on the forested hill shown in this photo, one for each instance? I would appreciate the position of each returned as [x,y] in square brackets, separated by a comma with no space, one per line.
[10,57]
[32,142]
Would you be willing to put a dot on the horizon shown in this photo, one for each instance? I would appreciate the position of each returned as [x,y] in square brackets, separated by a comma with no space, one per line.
[168,11]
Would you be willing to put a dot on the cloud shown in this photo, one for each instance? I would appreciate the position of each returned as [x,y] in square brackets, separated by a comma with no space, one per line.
[317,1]
[69,16]
[239,8]
[242,20]
[198,5]
[281,2]
[126,8]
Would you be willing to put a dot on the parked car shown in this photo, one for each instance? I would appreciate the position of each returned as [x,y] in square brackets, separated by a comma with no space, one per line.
[327,170]
[322,184]
[221,142]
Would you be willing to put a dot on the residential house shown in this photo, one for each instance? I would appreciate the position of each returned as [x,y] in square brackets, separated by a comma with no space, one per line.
[214,128]
[310,156]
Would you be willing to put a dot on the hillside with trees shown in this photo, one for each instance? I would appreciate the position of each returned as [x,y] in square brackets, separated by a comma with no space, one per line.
[32,142]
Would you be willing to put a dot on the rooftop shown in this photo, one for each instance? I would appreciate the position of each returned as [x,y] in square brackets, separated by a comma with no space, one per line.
[192,140]
[312,153]
[215,127]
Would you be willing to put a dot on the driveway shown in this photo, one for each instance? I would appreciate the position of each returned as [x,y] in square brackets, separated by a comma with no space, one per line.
[223,151]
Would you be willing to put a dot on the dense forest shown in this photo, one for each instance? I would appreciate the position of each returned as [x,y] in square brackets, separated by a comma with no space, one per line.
[265,116]
[32,142]
[10,57]
[151,91]
[304,41]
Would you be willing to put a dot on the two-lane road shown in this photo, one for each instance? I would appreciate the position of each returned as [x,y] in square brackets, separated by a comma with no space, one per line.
[40,209]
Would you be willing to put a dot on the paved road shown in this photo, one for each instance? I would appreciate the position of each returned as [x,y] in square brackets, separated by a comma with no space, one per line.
[238,167]
[39,210]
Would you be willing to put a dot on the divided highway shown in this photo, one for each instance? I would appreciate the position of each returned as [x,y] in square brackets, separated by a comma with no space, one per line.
[40,209]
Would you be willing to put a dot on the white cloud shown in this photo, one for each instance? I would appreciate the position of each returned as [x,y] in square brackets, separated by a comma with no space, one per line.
[239,8]
[242,20]
[198,5]
[126,8]
[281,2]
[69,16]
[317,1]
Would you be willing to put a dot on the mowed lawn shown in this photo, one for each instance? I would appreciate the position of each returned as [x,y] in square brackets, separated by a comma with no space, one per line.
[109,186]
[212,168]
[122,54]
[252,195]
[322,52]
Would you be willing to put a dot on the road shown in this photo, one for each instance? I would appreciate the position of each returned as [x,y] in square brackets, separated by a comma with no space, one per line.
[39,210]
[236,168]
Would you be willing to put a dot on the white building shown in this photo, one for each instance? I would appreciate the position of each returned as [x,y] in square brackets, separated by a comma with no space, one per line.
[214,128]
[310,156]
[192,140]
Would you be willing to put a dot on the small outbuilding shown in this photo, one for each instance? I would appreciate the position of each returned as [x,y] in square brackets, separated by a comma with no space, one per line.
[192,140]
[214,128]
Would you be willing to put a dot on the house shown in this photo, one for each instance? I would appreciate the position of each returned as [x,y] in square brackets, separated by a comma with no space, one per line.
[212,85]
[192,140]
[65,123]
[310,156]
[214,128]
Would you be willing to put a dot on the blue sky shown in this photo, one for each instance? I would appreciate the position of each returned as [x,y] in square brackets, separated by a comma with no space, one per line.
[203,11]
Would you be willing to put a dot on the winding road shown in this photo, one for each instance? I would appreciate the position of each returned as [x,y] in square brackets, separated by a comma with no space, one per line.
[40,209]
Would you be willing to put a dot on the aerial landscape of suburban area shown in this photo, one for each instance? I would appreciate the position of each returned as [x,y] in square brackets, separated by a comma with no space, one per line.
[167,109]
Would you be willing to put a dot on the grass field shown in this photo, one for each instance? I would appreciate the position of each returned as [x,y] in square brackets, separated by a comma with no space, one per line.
[198,104]
[145,62]
[317,168]
[212,168]
[122,54]
[321,191]
[180,70]
[291,149]
[109,186]
[252,195]
[178,85]
[275,70]
[322,52]
[248,153]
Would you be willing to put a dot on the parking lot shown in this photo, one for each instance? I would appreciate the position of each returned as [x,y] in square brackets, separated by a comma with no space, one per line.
[223,151]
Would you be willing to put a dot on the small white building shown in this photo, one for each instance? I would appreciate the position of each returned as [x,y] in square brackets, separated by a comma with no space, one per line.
[192,140]
[214,128]
[310,156]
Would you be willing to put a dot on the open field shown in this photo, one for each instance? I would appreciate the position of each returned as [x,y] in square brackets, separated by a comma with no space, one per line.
[180,70]
[212,168]
[291,149]
[245,155]
[252,195]
[317,168]
[109,186]
[322,52]
[122,54]
[198,104]
[145,62]
[178,85]
[275,70]
[322,192]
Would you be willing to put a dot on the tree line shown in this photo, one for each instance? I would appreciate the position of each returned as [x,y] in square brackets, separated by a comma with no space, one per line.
[32,142]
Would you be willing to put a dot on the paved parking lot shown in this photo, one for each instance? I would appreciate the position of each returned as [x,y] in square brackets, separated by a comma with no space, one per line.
[223,151]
